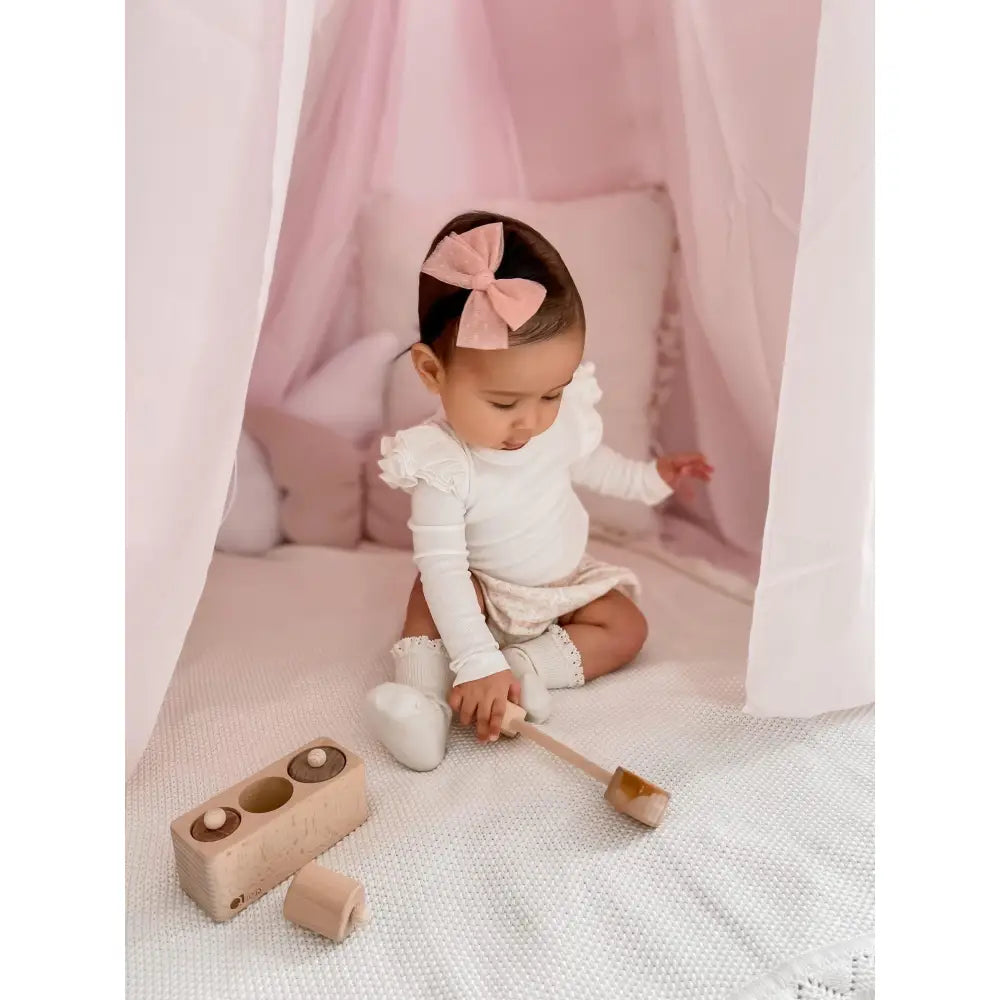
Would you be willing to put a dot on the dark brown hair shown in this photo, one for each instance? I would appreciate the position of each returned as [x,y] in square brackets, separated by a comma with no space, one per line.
[526,254]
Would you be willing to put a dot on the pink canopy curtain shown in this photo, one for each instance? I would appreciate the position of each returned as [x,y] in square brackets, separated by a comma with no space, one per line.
[811,646]
[213,95]
[436,99]
[348,111]
[749,92]
[736,84]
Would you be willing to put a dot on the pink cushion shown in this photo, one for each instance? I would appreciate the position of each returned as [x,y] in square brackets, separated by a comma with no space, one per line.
[386,510]
[319,474]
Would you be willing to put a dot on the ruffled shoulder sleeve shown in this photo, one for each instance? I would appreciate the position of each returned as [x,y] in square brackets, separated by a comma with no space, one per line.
[580,399]
[426,453]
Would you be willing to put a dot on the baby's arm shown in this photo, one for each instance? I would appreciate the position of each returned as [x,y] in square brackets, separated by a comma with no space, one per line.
[607,472]
[442,556]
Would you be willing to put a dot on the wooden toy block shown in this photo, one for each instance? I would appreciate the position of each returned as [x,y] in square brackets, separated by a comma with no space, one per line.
[244,841]
[627,792]
[512,715]
[326,902]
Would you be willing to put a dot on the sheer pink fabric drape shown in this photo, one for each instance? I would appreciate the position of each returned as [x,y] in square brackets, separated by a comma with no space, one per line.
[812,642]
[205,85]
[347,115]
[736,86]
[455,97]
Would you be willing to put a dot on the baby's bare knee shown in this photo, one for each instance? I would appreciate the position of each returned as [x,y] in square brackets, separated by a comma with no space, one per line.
[638,631]
[628,626]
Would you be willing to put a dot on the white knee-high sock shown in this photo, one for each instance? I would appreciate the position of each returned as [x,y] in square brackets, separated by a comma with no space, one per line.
[423,664]
[544,664]
[410,716]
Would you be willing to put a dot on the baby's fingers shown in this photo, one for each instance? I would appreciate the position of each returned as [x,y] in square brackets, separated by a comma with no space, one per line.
[468,709]
[696,470]
[513,694]
[496,718]
[483,719]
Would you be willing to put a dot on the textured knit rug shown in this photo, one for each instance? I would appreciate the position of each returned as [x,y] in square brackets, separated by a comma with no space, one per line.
[841,972]
[503,873]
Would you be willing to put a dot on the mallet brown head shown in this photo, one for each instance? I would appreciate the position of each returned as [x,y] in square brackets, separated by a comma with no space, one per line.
[636,797]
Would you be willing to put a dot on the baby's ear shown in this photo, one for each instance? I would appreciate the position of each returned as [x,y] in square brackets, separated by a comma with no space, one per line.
[428,367]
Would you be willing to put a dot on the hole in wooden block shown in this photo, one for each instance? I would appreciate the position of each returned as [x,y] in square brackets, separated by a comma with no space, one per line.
[300,769]
[201,832]
[266,795]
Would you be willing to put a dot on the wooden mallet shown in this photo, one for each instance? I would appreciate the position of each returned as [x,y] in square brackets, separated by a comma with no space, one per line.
[627,792]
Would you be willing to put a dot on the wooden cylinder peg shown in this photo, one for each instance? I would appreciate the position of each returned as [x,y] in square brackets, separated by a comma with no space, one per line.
[512,715]
[326,902]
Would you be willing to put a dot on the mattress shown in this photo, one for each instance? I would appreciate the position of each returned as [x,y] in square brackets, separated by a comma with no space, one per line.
[503,873]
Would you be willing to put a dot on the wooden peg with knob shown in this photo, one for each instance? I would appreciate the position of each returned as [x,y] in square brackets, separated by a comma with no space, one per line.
[627,792]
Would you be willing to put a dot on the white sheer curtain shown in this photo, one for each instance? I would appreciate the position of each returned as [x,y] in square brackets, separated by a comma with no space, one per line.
[213,97]
[811,647]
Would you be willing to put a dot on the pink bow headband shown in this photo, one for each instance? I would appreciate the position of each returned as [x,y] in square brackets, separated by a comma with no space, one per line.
[496,305]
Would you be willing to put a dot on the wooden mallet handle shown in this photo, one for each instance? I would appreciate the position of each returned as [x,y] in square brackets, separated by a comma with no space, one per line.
[561,750]
[627,792]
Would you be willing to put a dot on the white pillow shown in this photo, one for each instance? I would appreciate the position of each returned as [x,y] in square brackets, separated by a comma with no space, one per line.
[618,249]
[251,525]
[346,394]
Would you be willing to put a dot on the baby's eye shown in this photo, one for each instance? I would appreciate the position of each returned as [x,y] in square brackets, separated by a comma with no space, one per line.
[552,399]
[503,406]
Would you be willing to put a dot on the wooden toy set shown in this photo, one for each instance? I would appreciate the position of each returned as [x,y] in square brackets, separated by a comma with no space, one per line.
[246,840]
[243,842]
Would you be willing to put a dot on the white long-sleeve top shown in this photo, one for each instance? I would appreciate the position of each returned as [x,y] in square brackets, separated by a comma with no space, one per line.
[511,515]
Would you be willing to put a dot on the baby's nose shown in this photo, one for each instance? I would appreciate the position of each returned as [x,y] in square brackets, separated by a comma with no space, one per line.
[528,419]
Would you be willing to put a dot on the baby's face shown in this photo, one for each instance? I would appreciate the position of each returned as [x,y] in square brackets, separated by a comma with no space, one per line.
[502,399]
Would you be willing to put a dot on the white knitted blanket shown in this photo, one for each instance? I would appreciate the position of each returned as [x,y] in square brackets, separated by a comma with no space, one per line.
[503,873]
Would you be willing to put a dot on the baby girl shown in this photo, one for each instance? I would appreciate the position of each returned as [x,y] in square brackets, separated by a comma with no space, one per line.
[507,605]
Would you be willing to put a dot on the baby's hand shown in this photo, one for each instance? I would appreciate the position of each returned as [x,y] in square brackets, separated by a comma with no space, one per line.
[675,468]
[484,701]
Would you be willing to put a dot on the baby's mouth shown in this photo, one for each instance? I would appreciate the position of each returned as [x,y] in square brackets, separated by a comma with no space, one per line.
[513,445]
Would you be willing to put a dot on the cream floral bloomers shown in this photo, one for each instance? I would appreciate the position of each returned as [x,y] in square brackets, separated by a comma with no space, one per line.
[516,613]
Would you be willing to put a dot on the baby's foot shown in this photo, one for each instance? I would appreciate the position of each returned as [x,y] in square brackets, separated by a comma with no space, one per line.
[411,725]
[535,698]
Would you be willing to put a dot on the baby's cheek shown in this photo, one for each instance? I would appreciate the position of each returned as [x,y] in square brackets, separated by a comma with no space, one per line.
[497,422]
[489,423]
[550,417]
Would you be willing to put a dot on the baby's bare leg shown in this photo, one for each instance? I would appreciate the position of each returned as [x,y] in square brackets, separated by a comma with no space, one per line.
[411,714]
[608,632]
[418,615]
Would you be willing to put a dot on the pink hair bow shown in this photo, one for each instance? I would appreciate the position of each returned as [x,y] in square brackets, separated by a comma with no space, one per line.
[496,305]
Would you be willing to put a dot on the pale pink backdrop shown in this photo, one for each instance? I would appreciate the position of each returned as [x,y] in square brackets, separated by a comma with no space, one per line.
[539,98]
